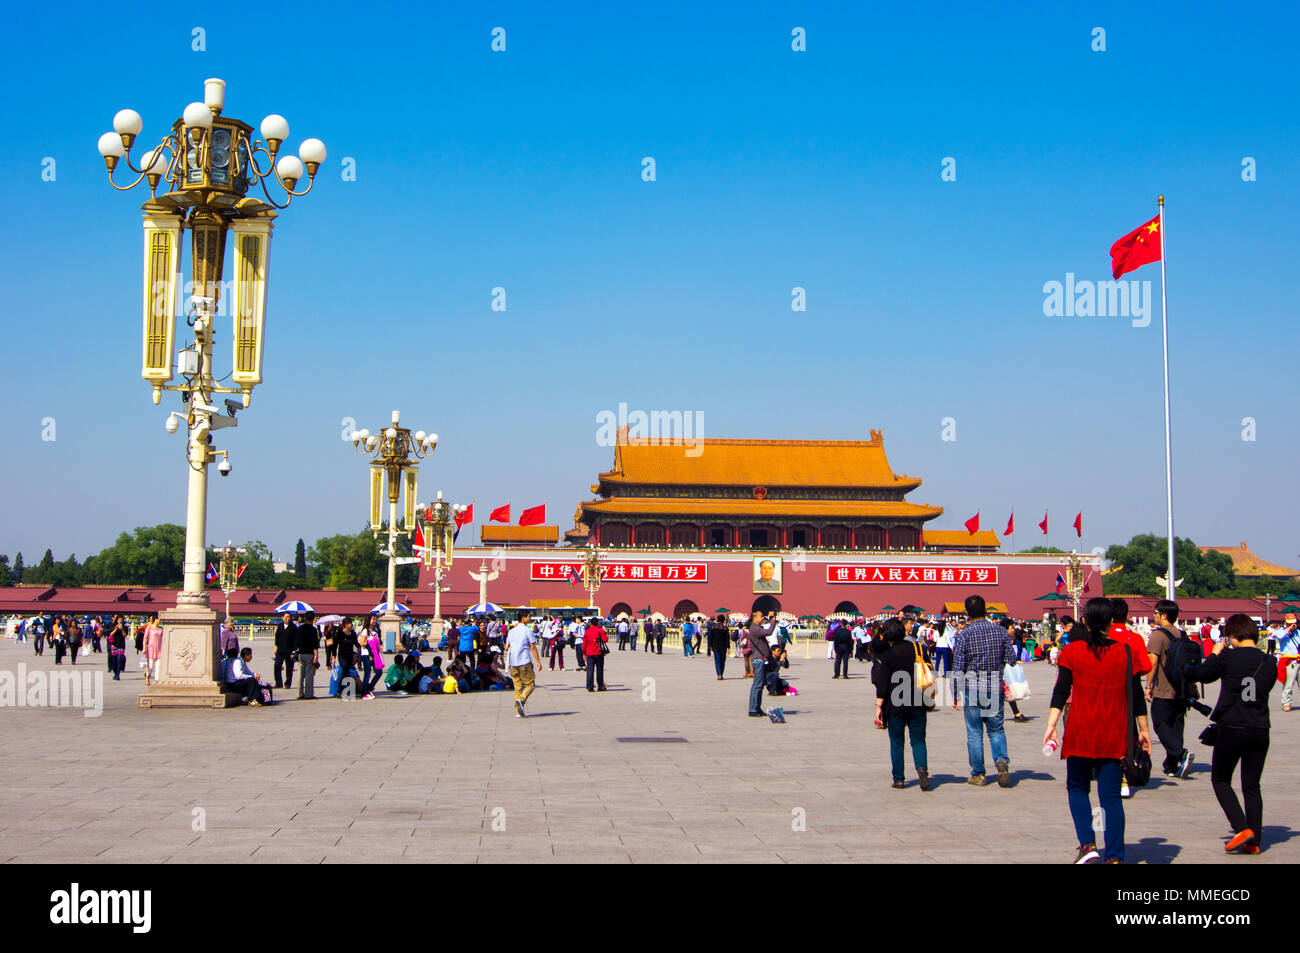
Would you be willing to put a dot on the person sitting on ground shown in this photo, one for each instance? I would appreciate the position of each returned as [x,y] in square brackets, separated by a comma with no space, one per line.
[397,675]
[240,678]
[776,685]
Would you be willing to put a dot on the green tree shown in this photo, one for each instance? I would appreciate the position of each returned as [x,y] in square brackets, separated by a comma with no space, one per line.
[348,561]
[150,556]
[1043,549]
[300,560]
[43,572]
[1144,557]
[19,568]
[6,574]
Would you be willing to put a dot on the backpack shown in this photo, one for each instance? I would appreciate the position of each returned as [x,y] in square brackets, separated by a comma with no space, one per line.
[1182,653]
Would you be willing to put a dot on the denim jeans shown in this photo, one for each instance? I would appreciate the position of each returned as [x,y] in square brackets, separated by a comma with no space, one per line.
[1078,782]
[756,686]
[687,649]
[719,662]
[983,710]
[914,720]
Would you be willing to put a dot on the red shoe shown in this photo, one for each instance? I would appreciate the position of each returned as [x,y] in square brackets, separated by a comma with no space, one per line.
[1250,849]
[1240,839]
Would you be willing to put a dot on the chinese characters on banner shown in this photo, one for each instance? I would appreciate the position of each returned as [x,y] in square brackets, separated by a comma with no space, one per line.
[969,575]
[623,572]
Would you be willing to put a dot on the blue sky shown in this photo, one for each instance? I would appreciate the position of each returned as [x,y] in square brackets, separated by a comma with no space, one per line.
[775,169]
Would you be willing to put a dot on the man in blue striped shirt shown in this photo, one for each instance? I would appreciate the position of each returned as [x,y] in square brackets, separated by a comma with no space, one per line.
[978,654]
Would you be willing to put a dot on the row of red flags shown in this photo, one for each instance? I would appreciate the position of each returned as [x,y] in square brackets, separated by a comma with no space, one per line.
[973,524]
[532,516]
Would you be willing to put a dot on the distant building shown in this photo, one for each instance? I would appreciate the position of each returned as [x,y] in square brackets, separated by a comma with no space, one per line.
[752,494]
[511,536]
[1249,566]
[961,541]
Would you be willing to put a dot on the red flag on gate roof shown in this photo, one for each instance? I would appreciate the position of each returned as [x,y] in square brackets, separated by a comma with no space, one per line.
[1139,247]
[500,515]
[466,517]
[1043,524]
[973,524]
[1011,524]
[1078,524]
[533,516]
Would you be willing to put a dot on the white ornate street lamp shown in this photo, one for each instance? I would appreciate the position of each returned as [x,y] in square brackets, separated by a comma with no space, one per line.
[395,455]
[208,163]
[438,522]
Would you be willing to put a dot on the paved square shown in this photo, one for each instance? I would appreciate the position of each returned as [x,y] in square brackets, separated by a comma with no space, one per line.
[461,779]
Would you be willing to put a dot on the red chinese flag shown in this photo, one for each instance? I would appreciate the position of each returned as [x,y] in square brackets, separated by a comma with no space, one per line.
[500,515]
[1043,524]
[973,524]
[418,542]
[466,517]
[1139,247]
[533,516]
[1078,524]
[1011,524]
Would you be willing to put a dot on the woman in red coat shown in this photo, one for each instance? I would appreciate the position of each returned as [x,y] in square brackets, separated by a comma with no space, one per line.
[1100,677]
[594,648]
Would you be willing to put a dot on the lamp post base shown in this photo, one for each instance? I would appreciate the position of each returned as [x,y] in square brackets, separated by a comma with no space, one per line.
[390,630]
[190,665]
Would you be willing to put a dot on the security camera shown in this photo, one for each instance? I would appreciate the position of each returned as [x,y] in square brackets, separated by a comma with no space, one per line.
[172,424]
[224,468]
[233,406]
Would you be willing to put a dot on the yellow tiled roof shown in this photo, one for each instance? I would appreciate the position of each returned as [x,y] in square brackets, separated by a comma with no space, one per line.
[984,539]
[725,462]
[1246,563]
[844,509]
[959,608]
[518,534]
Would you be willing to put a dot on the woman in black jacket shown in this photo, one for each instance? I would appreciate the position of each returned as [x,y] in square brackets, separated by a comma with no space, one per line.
[899,704]
[1241,716]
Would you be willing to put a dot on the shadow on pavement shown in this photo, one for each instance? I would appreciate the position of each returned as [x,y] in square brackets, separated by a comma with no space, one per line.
[1151,850]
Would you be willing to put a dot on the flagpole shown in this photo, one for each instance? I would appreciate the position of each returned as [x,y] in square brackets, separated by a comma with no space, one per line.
[1169,453]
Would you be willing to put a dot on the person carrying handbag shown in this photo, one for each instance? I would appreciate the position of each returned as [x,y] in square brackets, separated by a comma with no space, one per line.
[1100,677]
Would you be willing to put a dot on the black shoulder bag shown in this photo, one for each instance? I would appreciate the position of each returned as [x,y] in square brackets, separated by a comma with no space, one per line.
[1137,763]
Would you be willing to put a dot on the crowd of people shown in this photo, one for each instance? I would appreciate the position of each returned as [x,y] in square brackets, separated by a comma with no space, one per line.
[1117,686]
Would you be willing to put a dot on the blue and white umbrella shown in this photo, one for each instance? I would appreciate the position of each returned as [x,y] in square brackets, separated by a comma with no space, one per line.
[383,607]
[483,608]
[296,607]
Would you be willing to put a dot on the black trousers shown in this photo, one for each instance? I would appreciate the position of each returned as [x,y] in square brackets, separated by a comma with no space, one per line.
[247,687]
[841,661]
[1167,715]
[1250,747]
[595,672]
[74,648]
[38,643]
[285,663]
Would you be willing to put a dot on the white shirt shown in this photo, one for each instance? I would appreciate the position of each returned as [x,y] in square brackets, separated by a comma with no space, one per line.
[518,643]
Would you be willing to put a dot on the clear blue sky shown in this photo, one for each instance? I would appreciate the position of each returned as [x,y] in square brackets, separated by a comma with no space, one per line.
[775,169]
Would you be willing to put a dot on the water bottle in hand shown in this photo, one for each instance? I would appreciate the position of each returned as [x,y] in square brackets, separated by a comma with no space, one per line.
[1049,749]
